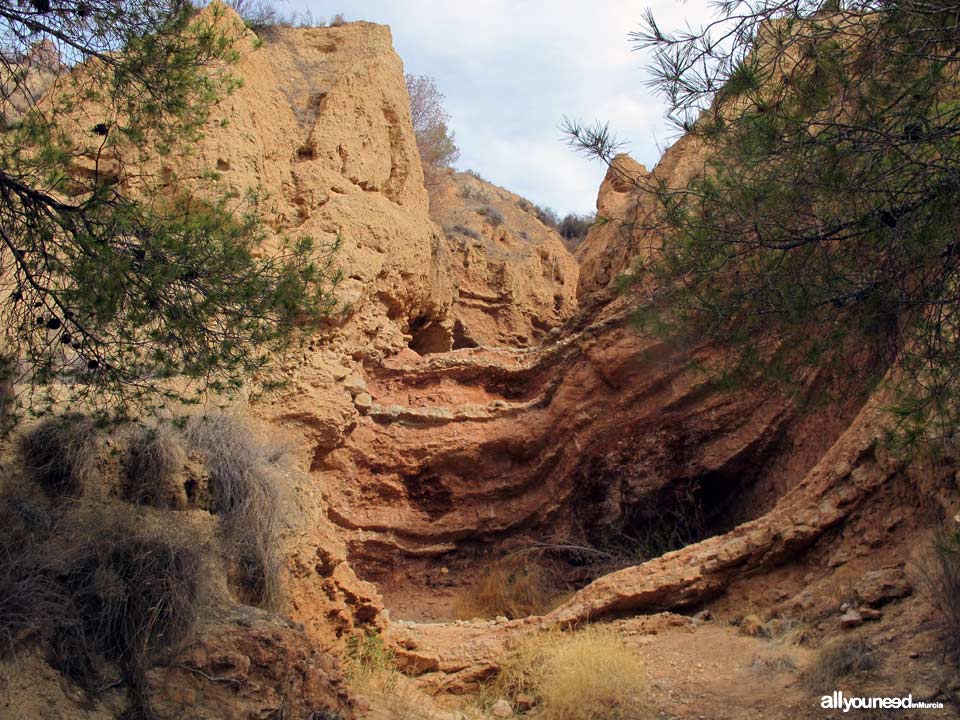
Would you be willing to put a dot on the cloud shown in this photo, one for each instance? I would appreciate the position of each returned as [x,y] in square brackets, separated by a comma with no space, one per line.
[512,69]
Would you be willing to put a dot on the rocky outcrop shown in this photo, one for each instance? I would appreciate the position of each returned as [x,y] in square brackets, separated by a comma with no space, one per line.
[625,229]
[601,432]
[515,280]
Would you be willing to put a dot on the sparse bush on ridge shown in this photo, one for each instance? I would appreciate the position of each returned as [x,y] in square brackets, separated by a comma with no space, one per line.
[463,230]
[435,140]
[469,192]
[259,15]
[491,215]
[590,674]
[548,216]
[247,490]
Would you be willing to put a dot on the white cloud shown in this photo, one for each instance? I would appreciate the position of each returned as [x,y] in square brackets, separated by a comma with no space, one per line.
[512,69]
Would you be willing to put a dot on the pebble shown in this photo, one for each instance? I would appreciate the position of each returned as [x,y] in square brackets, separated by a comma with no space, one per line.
[851,619]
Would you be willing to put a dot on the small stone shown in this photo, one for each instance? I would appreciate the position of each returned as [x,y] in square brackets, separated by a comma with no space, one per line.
[524,702]
[355,384]
[339,372]
[844,607]
[444,570]
[869,613]
[363,401]
[851,619]
[501,709]
[880,587]
[704,616]
[502,619]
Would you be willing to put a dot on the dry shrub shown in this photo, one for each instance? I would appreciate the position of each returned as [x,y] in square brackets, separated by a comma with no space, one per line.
[836,660]
[248,492]
[491,215]
[130,597]
[511,587]
[590,674]
[940,576]
[101,588]
[30,599]
[8,396]
[60,454]
[371,672]
[155,459]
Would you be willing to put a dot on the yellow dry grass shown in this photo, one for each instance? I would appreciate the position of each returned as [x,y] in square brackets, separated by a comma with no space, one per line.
[371,673]
[509,587]
[590,674]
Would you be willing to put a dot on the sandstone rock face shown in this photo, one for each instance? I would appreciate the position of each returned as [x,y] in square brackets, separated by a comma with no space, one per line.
[515,281]
[321,130]
[249,665]
[623,231]
[604,428]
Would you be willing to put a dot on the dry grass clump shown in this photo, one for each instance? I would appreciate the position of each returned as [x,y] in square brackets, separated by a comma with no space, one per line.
[510,587]
[8,396]
[836,660]
[107,595]
[155,458]
[249,493]
[940,574]
[129,597]
[59,455]
[30,598]
[590,674]
[371,672]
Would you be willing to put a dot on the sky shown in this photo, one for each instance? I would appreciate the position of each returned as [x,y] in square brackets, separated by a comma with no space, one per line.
[512,69]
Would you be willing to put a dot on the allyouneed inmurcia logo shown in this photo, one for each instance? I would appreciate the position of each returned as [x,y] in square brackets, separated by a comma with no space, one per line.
[837,701]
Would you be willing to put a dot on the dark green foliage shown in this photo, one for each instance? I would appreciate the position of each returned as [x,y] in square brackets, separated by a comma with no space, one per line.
[573,228]
[120,278]
[822,230]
